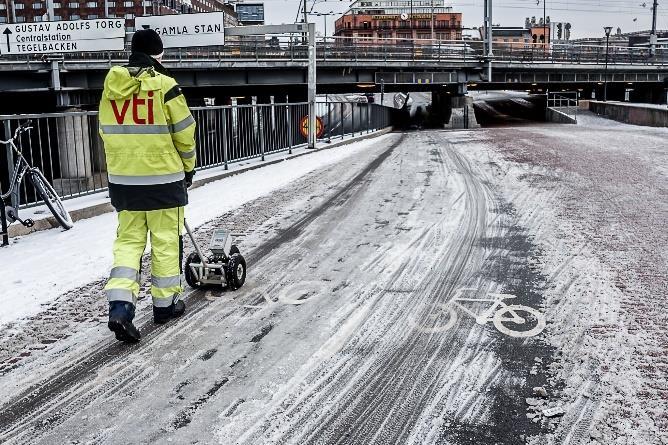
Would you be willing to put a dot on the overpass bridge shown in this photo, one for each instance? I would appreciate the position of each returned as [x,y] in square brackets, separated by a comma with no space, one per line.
[279,67]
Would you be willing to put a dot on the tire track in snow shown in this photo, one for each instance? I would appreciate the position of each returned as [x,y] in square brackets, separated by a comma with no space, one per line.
[67,390]
[380,398]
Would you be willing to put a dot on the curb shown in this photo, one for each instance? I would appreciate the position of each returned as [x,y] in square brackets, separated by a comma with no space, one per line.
[99,209]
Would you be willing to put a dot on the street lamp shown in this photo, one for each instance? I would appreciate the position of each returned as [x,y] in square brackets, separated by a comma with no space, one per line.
[608,30]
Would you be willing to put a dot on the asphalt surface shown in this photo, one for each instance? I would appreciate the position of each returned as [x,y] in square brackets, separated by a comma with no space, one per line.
[347,330]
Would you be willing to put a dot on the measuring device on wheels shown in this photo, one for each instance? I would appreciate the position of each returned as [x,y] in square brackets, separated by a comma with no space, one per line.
[224,267]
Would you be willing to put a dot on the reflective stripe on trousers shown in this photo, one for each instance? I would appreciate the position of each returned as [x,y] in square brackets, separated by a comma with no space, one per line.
[165,227]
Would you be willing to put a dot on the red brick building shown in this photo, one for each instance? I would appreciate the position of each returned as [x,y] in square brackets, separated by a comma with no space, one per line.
[26,11]
[390,21]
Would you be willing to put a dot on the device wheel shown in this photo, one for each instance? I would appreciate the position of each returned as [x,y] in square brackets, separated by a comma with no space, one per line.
[191,279]
[51,199]
[235,271]
[234,249]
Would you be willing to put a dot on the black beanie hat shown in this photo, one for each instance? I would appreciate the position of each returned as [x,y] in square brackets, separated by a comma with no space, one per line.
[147,41]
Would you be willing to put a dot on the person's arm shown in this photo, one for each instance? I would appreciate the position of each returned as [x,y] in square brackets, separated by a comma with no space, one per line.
[182,128]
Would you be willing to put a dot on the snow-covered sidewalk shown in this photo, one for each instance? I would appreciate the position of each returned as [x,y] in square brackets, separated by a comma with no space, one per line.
[39,267]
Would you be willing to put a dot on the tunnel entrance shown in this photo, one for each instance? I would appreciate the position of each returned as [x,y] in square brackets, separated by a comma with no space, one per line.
[504,108]
[491,109]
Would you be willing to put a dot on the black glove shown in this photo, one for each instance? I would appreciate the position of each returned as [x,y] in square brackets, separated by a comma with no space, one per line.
[189,178]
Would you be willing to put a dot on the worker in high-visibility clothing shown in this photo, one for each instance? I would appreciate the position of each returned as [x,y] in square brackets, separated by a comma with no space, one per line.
[149,142]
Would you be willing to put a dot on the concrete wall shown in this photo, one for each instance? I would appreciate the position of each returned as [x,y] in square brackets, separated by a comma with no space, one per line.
[559,117]
[636,114]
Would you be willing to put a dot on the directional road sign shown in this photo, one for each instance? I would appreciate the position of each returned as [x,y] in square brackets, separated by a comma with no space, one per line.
[183,30]
[62,37]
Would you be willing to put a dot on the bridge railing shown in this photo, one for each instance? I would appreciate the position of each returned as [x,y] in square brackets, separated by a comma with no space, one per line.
[287,48]
[566,102]
[69,151]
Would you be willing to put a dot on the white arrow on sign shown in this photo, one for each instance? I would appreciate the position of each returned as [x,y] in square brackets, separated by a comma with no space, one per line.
[63,36]
[183,30]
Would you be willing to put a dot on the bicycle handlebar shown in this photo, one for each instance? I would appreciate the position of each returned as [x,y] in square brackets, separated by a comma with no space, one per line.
[22,128]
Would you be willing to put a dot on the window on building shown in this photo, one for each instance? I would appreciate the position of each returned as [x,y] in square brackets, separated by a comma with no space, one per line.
[38,18]
[148,3]
[37,5]
[56,5]
[74,5]
[129,16]
[128,4]
[91,4]
[57,18]
[75,17]
[3,6]
[92,16]
[3,19]
[20,19]
[366,25]
[129,28]
[111,5]
[19,6]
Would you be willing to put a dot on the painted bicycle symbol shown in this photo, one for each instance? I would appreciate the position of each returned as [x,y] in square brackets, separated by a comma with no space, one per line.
[507,319]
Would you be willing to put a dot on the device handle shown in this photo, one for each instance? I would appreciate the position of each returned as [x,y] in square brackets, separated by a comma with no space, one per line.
[192,238]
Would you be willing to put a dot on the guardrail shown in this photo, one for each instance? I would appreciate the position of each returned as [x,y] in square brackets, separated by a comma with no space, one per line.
[566,102]
[286,48]
[68,149]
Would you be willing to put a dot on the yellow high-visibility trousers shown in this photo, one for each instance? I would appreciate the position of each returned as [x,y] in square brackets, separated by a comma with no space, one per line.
[165,228]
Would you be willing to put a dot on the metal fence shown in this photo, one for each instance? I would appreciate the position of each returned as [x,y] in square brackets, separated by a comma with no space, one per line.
[289,48]
[69,151]
[566,102]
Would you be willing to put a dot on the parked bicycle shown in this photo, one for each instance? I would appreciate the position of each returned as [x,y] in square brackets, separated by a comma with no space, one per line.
[513,320]
[44,190]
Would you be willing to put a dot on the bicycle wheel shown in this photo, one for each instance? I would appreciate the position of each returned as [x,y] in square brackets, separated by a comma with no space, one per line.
[535,317]
[442,319]
[50,198]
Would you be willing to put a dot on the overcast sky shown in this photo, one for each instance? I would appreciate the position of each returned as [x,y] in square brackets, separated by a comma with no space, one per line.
[588,17]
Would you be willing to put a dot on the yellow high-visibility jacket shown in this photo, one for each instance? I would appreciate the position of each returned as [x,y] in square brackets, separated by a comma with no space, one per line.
[149,139]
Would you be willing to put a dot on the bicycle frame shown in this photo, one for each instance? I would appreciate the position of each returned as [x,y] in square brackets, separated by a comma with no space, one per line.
[487,315]
[21,166]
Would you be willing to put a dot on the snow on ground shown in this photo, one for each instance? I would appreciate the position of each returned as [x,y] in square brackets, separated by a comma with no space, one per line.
[593,198]
[41,266]
[567,218]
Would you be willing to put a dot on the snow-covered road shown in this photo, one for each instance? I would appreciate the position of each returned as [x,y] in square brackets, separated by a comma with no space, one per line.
[361,320]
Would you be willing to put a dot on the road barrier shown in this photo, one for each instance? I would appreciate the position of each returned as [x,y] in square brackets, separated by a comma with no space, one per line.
[647,115]
[67,148]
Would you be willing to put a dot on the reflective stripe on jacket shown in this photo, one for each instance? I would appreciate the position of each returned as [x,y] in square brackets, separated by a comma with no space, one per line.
[149,139]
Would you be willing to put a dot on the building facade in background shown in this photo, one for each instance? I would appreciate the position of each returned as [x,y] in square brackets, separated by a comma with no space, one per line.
[250,14]
[394,21]
[27,11]
[513,37]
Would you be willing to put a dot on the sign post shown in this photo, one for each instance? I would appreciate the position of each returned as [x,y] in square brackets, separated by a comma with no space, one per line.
[62,36]
[311,85]
[302,28]
[184,30]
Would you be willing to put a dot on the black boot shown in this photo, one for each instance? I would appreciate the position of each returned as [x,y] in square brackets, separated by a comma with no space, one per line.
[162,315]
[121,314]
